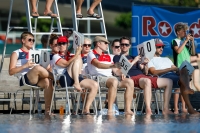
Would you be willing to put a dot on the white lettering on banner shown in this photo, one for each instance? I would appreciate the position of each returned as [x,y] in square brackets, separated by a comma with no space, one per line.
[40,57]
[125,65]
[78,39]
[146,49]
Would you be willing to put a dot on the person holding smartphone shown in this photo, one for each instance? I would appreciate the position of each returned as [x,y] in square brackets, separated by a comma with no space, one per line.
[184,49]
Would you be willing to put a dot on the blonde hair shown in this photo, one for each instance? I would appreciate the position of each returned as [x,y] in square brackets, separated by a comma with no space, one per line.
[87,39]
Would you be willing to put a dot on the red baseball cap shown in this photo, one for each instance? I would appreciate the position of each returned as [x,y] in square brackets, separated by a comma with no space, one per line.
[62,39]
[159,42]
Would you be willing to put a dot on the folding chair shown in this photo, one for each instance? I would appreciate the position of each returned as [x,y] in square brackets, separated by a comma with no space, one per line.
[68,89]
[103,90]
[28,87]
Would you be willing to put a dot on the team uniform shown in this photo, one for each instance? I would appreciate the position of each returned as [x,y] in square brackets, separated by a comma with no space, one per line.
[136,73]
[84,69]
[160,63]
[105,74]
[22,58]
[62,70]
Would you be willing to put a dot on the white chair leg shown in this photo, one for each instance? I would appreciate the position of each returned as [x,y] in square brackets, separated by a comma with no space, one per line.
[156,102]
[31,97]
[85,98]
[78,102]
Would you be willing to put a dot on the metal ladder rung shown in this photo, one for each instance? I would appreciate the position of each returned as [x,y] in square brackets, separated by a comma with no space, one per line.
[20,28]
[46,33]
[42,17]
[64,28]
[89,19]
[94,34]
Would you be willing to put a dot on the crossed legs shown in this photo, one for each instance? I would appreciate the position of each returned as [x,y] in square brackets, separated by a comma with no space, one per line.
[185,89]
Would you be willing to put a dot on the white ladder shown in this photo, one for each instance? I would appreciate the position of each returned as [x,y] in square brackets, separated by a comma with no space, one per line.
[76,20]
[29,25]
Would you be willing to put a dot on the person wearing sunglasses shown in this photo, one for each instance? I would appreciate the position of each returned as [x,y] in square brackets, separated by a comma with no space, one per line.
[101,64]
[33,74]
[86,47]
[71,68]
[164,68]
[141,80]
[116,47]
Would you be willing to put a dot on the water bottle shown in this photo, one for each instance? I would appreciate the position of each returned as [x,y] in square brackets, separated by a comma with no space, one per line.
[115,109]
[39,108]
[61,111]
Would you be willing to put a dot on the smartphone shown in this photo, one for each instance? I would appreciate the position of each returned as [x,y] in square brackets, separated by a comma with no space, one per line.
[191,32]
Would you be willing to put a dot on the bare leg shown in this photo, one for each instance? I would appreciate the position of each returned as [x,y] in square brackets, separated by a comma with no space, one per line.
[176,97]
[184,85]
[37,73]
[93,87]
[167,84]
[112,91]
[184,81]
[195,79]
[78,6]
[145,84]
[48,8]
[34,8]
[93,6]
[128,96]
[184,110]
[74,71]
[47,96]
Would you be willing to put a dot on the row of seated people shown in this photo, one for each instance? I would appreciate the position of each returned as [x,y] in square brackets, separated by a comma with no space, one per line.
[99,64]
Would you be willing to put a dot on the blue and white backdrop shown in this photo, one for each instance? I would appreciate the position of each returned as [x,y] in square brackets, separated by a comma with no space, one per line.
[149,22]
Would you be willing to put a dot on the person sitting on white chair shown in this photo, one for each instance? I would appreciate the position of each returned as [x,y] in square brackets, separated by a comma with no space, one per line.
[71,69]
[34,75]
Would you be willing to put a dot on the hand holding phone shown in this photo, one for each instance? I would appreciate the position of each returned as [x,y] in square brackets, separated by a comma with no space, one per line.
[191,33]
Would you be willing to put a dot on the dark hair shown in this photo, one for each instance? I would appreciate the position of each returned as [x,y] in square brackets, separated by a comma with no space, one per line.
[126,38]
[69,30]
[44,40]
[25,34]
[94,44]
[52,38]
[113,42]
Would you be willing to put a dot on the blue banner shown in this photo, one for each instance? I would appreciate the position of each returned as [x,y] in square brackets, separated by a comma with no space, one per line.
[150,22]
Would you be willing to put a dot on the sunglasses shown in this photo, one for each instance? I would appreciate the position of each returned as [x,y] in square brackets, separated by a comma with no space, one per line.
[31,40]
[86,45]
[116,47]
[62,43]
[124,44]
[160,47]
